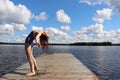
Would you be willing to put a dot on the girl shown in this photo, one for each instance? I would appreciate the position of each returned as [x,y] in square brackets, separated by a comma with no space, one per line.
[29,52]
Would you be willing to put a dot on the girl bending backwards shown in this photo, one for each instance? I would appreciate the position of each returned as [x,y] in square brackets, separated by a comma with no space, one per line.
[29,50]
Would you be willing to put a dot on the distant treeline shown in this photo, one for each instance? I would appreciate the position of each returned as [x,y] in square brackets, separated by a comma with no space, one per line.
[92,43]
[11,43]
[77,43]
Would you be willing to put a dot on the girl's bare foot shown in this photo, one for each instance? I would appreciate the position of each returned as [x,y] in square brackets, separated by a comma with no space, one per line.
[30,74]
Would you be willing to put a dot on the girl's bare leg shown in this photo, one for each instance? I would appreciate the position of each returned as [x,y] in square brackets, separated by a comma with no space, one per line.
[31,59]
[35,64]
[34,61]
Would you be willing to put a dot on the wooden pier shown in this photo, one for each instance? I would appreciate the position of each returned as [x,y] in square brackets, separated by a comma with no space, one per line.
[57,66]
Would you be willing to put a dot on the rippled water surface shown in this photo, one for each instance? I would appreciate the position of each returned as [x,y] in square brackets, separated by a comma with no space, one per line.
[104,61]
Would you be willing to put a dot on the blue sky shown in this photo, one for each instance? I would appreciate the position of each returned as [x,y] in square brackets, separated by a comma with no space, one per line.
[67,21]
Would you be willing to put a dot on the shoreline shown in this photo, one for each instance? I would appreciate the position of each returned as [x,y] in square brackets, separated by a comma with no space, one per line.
[71,44]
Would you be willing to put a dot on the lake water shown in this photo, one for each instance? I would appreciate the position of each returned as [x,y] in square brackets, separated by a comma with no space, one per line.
[104,61]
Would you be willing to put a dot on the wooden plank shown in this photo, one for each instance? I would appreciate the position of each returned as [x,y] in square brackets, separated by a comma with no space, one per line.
[57,66]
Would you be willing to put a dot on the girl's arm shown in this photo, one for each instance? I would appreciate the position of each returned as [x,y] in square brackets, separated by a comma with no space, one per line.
[37,39]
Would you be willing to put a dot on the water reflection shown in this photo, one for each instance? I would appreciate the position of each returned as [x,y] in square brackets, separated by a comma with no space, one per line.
[102,60]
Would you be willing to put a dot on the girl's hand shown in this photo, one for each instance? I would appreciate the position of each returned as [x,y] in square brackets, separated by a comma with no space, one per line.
[38,44]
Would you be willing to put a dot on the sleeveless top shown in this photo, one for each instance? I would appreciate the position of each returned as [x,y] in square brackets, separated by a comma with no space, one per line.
[29,39]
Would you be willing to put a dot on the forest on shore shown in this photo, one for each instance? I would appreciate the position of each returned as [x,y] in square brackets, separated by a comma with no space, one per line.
[76,43]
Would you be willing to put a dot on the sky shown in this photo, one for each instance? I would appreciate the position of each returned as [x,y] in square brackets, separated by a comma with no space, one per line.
[67,21]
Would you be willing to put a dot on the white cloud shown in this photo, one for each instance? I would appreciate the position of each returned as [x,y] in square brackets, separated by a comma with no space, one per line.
[65,28]
[19,27]
[95,29]
[111,3]
[41,16]
[6,29]
[36,28]
[92,33]
[88,33]
[78,36]
[24,35]
[112,36]
[13,13]
[62,16]
[92,2]
[21,38]
[102,15]
[58,36]
[96,33]
[18,40]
